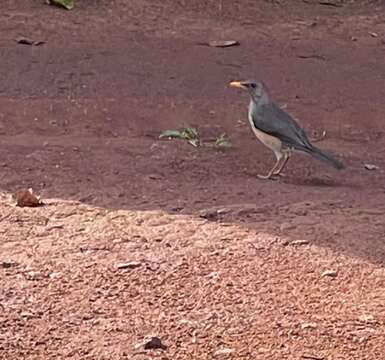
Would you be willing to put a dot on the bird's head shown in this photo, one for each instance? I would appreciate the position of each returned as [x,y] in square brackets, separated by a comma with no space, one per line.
[255,88]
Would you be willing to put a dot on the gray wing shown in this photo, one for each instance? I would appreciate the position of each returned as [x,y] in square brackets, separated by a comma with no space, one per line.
[272,120]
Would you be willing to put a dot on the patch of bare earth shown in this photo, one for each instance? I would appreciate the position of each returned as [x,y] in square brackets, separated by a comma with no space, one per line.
[84,282]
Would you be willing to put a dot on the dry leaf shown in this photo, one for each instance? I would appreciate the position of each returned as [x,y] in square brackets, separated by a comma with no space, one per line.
[26,41]
[371,167]
[308,326]
[223,43]
[330,273]
[26,197]
[154,343]
[330,3]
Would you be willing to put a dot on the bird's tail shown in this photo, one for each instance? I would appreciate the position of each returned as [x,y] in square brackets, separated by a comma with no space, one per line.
[320,155]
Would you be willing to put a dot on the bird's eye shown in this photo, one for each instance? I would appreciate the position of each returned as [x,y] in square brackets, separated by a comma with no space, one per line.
[253,85]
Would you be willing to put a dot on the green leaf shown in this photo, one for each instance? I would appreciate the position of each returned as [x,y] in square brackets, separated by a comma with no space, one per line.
[223,141]
[194,142]
[188,133]
[171,134]
[67,4]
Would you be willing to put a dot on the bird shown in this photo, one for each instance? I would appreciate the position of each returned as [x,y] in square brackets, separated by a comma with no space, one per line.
[277,130]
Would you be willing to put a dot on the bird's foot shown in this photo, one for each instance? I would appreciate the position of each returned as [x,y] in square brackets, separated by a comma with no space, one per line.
[266,177]
[279,174]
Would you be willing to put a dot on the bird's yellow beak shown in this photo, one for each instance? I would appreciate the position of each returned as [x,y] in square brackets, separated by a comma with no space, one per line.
[237,84]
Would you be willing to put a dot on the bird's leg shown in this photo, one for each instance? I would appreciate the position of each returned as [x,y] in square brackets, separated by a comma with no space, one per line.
[286,157]
[272,171]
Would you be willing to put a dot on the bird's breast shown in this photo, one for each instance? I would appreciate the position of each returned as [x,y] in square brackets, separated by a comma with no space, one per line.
[269,141]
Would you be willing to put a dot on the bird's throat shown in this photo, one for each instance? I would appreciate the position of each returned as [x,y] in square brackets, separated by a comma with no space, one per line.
[260,100]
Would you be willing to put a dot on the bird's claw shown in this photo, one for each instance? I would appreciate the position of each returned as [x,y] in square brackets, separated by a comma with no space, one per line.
[267,177]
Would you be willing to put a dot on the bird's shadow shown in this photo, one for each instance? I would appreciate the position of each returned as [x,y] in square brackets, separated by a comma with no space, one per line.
[309,181]
[320,182]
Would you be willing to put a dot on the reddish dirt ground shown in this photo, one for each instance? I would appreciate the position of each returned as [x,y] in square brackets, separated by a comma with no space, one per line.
[227,265]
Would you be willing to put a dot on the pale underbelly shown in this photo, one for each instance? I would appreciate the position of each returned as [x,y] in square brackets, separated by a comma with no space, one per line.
[269,141]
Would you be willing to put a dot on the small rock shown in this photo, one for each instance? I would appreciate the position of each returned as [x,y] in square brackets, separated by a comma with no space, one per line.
[130,265]
[26,314]
[367,318]
[177,208]
[225,351]
[308,326]
[154,343]
[155,177]
[213,275]
[209,214]
[330,273]
[378,273]
[299,242]
[34,275]
[6,264]
[55,275]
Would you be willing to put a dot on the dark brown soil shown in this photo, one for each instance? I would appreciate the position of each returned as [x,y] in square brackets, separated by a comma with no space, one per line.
[216,263]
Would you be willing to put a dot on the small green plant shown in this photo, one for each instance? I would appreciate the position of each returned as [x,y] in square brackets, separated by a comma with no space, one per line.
[67,4]
[191,135]
[188,133]
[223,142]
